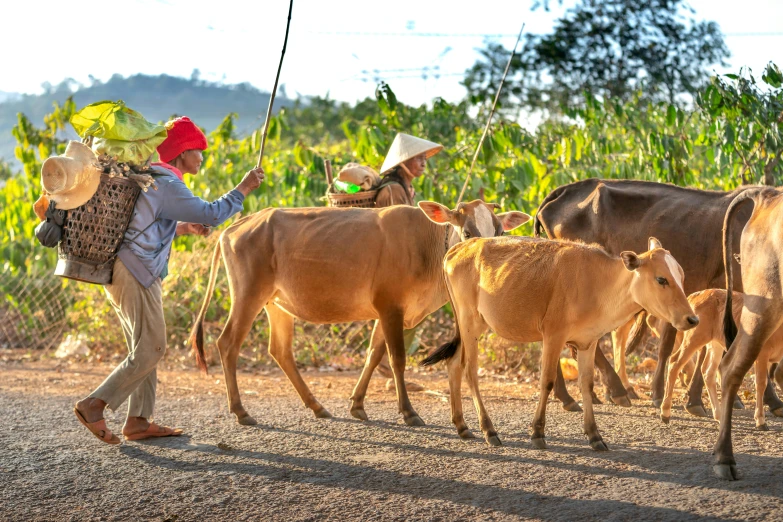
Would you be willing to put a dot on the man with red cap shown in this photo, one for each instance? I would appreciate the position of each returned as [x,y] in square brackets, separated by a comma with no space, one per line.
[142,261]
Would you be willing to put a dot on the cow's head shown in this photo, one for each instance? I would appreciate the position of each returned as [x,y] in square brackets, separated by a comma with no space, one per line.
[474,219]
[657,285]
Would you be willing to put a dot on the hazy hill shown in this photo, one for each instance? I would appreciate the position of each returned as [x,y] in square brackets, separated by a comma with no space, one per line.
[156,97]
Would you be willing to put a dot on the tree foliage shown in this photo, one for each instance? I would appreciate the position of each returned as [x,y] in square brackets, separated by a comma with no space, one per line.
[610,49]
[747,122]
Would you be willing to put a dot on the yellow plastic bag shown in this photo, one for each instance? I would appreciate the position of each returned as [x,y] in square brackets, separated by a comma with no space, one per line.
[118,131]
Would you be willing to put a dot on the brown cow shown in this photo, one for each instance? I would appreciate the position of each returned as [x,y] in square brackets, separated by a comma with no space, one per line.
[761,255]
[334,265]
[709,305]
[559,292]
[618,214]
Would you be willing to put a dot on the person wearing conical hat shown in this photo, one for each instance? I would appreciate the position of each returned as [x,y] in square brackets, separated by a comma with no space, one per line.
[405,161]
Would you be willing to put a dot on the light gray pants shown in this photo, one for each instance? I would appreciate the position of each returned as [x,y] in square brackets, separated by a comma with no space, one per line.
[141,313]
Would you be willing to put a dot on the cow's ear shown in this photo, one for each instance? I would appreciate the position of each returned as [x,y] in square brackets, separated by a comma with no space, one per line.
[513,219]
[654,243]
[436,212]
[631,260]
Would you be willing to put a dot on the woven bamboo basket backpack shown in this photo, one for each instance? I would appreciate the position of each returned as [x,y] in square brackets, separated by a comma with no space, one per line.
[93,232]
[362,199]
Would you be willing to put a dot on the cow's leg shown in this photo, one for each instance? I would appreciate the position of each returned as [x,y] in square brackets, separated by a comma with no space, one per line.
[761,384]
[470,338]
[688,369]
[561,392]
[692,341]
[550,361]
[374,355]
[281,337]
[614,386]
[240,320]
[392,322]
[776,374]
[584,360]
[713,353]
[770,397]
[733,368]
[760,317]
[619,340]
[455,369]
[664,352]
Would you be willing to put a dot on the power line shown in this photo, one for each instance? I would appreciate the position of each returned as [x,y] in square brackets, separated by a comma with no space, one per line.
[487,35]
[429,35]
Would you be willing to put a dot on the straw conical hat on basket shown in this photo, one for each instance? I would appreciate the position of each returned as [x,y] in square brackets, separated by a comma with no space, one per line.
[70,180]
[405,147]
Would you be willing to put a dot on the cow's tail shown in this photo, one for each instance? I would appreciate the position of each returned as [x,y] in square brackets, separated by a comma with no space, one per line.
[447,350]
[639,326]
[729,326]
[196,338]
[537,224]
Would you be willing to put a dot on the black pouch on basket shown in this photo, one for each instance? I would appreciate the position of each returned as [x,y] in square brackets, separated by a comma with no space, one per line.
[50,231]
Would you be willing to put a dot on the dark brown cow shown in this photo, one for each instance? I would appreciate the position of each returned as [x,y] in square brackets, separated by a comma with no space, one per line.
[761,255]
[618,215]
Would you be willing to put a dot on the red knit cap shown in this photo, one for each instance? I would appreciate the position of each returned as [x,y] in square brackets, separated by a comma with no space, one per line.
[183,135]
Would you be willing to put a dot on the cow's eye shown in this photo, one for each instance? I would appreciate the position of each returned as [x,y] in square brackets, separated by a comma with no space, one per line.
[662,281]
[466,234]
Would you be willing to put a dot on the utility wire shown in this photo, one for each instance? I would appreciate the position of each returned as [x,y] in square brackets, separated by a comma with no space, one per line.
[488,35]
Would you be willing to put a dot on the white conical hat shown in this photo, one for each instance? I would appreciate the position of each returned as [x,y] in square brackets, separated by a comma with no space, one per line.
[405,147]
[71,180]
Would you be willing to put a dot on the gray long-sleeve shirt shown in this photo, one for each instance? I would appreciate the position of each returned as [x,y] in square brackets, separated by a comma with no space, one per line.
[145,250]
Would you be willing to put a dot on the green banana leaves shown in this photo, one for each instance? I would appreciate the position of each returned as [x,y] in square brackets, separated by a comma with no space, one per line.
[118,131]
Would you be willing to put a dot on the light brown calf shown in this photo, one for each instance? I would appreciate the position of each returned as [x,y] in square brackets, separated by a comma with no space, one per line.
[709,306]
[561,292]
[333,265]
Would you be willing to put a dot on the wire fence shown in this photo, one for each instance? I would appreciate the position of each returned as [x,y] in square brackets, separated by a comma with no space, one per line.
[33,314]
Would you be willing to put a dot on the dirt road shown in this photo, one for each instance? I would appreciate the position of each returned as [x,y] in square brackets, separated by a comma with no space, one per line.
[295,467]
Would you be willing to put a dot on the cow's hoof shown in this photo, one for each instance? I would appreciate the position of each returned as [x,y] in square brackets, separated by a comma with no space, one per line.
[657,402]
[414,420]
[539,443]
[665,419]
[494,440]
[599,445]
[725,471]
[777,412]
[622,400]
[762,427]
[697,410]
[596,400]
[465,433]
[246,420]
[359,413]
[322,413]
[572,406]
[738,405]
[632,393]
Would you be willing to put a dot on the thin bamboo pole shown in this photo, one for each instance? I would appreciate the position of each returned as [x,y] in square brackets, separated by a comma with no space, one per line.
[274,90]
[491,113]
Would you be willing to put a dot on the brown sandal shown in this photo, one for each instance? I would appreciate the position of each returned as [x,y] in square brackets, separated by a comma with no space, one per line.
[155,431]
[99,429]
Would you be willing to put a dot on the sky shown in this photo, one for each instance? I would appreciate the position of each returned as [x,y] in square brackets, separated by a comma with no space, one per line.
[334,46]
